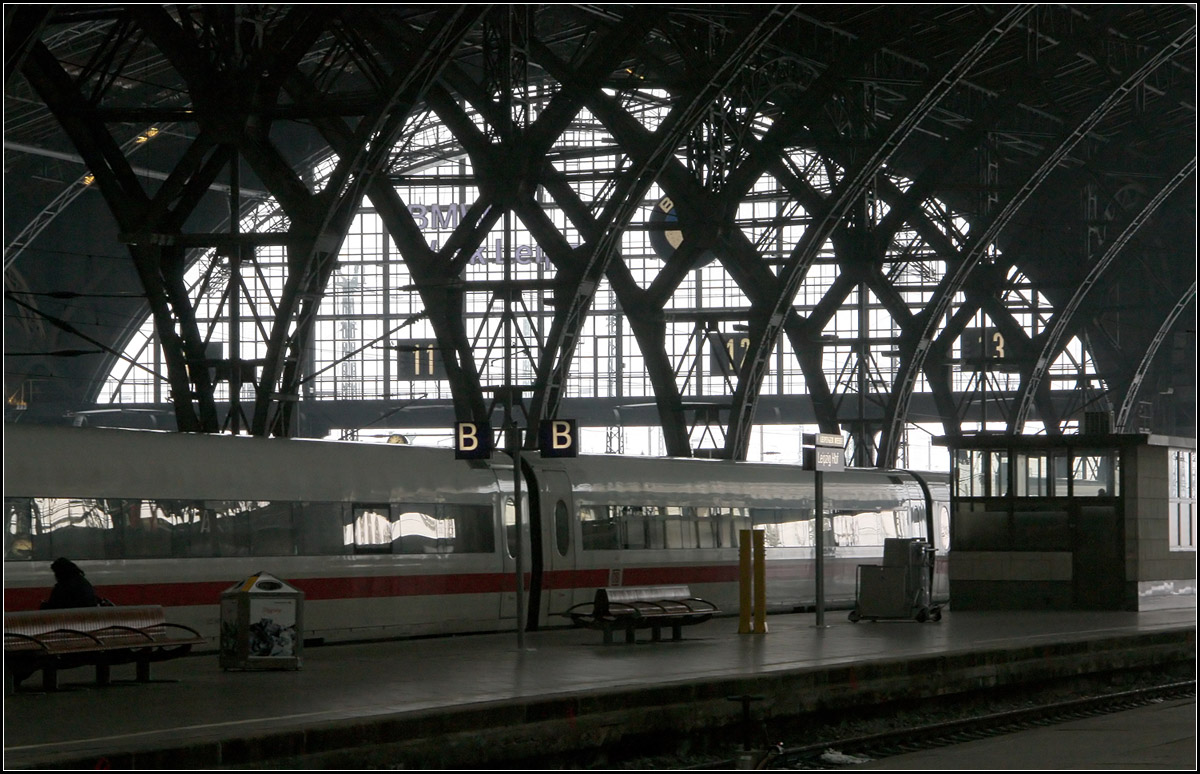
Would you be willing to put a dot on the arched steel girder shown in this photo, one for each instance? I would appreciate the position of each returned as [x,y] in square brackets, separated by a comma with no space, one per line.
[980,298]
[741,260]
[223,107]
[940,243]
[1188,297]
[134,210]
[227,115]
[905,208]
[151,226]
[916,349]
[435,283]
[765,326]
[1066,321]
[642,312]
[509,173]
[677,185]
[629,192]
[375,135]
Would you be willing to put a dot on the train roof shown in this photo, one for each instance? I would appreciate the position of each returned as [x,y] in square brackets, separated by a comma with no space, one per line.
[705,481]
[59,461]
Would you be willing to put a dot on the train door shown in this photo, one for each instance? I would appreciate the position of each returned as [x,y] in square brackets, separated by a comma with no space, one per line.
[556,517]
[508,552]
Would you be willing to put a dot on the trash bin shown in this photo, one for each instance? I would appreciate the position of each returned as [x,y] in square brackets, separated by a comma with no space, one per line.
[262,624]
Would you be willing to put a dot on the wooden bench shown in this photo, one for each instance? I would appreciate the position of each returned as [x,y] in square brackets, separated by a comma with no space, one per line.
[51,640]
[642,607]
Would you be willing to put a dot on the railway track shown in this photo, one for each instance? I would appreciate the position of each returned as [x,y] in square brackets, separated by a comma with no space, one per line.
[836,753]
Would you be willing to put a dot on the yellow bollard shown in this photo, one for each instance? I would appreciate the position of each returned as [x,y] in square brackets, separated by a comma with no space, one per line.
[744,580]
[760,582]
[752,577]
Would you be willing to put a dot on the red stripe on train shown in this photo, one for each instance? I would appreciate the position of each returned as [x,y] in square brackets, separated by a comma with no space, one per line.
[209,592]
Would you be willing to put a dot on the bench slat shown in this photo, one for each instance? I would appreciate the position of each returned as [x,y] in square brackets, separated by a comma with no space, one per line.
[35,622]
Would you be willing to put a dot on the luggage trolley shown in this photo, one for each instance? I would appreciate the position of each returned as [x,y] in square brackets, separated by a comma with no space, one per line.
[900,588]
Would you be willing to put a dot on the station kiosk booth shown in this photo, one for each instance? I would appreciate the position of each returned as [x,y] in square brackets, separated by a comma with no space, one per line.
[1085,522]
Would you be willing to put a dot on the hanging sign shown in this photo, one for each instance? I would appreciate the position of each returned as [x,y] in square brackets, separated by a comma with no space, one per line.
[558,438]
[472,441]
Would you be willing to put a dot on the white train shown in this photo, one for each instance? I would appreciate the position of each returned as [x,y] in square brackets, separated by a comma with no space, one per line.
[391,541]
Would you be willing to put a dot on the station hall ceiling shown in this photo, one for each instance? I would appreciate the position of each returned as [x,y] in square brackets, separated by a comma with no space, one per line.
[1064,136]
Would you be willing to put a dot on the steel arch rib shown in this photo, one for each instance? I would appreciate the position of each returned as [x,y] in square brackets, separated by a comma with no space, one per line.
[129,206]
[347,184]
[915,350]
[847,192]
[560,342]
[1135,385]
[490,161]
[1065,320]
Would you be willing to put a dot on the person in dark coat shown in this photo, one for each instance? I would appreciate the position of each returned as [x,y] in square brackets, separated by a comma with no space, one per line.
[71,588]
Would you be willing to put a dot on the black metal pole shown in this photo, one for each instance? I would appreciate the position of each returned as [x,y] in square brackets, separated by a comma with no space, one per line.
[819,565]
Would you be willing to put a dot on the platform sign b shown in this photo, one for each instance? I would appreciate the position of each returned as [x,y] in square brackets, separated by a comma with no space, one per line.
[558,438]
[472,441]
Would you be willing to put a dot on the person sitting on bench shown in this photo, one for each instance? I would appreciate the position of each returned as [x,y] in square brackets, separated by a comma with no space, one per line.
[71,588]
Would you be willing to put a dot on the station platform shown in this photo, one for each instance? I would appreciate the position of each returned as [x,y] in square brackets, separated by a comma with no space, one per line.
[465,702]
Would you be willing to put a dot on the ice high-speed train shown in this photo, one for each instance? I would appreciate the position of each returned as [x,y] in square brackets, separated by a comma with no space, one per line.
[391,540]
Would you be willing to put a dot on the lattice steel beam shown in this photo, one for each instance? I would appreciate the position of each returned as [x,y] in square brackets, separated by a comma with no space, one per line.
[1066,320]
[1188,297]
[916,349]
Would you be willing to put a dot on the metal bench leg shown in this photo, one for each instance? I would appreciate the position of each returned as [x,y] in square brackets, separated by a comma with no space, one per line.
[656,633]
[629,635]
[676,632]
[49,679]
[143,671]
[608,635]
[103,674]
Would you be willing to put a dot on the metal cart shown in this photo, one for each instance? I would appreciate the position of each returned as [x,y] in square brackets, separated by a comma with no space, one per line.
[900,588]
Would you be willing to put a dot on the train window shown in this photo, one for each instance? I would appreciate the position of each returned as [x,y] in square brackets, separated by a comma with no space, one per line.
[321,529]
[230,526]
[191,525]
[598,528]
[271,528]
[655,527]
[140,531]
[633,530]
[510,526]
[20,516]
[78,528]
[467,529]
[370,532]
[761,516]
[794,534]
[679,527]
[726,526]
[706,527]
[415,530]
[562,528]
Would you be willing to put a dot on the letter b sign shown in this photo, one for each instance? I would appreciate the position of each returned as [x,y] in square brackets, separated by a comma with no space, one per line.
[472,441]
[558,438]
